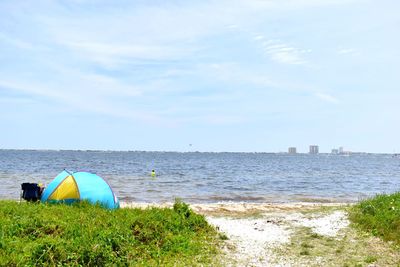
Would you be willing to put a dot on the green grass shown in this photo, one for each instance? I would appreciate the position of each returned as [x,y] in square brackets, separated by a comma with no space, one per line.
[380,216]
[83,234]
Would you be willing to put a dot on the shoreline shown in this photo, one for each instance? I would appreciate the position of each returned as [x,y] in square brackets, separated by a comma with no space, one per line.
[226,208]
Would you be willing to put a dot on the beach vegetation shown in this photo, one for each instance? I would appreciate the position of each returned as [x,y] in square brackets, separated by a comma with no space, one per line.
[305,252]
[379,216]
[370,259]
[87,235]
[223,236]
[306,245]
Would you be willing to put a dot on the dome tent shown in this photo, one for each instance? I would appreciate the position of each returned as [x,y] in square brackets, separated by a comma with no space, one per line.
[70,187]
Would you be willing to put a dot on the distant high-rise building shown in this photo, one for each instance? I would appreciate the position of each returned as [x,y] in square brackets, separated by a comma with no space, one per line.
[335,151]
[341,150]
[292,150]
[314,149]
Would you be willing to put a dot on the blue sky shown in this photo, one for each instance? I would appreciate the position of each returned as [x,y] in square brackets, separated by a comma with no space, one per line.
[226,75]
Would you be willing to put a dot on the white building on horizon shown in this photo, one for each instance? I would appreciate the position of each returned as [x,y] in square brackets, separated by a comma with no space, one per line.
[314,149]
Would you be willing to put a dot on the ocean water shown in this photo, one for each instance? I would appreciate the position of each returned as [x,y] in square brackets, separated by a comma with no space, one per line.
[211,177]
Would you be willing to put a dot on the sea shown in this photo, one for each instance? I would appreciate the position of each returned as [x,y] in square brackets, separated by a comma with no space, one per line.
[198,177]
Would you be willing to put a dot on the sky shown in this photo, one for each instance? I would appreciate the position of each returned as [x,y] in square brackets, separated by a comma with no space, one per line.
[209,75]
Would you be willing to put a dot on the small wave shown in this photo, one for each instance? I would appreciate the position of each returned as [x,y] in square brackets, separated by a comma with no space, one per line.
[128,199]
[237,198]
[321,200]
[153,191]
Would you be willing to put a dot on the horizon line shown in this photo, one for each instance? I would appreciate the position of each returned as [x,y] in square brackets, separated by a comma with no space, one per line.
[195,151]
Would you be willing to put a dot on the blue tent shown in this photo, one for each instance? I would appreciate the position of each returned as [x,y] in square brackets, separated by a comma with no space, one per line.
[70,187]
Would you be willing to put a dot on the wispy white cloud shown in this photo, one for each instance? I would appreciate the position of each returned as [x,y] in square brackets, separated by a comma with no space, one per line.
[327,98]
[284,53]
[16,42]
[79,99]
[112,54]
[222,119]
[166,33]
[298,4]
[234,73]
[16,100]
[258,37]
[347,51]
[173,32]
[30,88]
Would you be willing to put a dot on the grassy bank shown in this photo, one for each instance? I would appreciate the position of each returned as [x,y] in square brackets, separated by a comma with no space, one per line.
[38,234]
[380,216]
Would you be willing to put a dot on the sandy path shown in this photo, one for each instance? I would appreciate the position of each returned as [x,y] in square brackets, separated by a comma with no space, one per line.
[252,241]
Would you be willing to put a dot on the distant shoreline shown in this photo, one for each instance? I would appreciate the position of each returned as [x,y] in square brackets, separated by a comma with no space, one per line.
[192,152]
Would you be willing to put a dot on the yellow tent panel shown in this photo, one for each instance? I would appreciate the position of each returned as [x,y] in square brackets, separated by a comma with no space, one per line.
[68,189]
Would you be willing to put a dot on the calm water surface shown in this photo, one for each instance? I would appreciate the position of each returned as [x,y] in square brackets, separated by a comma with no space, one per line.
[211,177]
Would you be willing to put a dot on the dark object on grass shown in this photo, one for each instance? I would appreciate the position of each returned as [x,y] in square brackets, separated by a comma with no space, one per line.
[31,191]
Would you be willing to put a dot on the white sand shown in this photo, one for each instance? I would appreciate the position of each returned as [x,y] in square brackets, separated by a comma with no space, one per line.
[328,225]
[252,239]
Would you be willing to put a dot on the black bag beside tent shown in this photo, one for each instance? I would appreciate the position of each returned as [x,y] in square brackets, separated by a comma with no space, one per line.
[31,191]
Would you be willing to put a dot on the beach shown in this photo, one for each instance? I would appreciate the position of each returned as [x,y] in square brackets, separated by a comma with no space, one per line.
[290,234]
[268,209]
